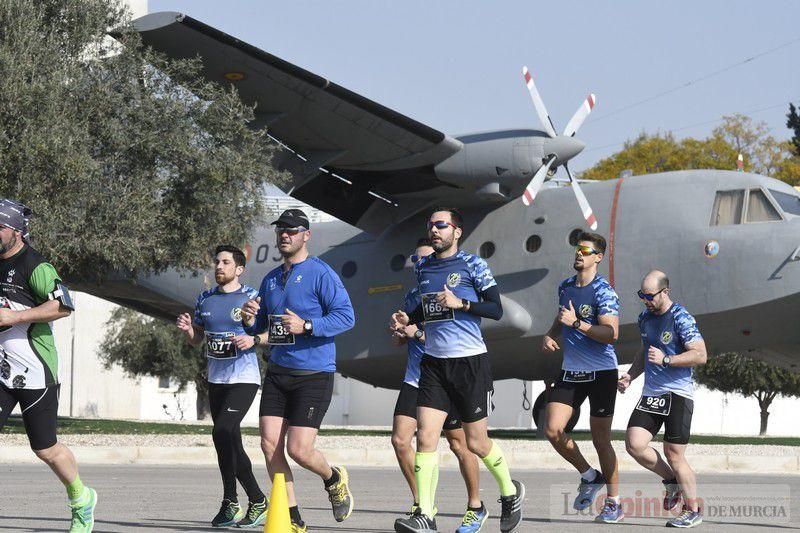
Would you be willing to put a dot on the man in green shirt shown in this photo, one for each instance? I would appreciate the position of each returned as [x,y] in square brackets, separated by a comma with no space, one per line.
[31,297]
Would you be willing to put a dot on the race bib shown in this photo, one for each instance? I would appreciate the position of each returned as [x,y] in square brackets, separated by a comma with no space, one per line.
[278,333]
[432,310]
[578,376]
[659,405]
[221,346]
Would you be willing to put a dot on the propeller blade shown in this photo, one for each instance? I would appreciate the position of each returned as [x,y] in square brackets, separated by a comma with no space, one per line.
[544,118]
[580,115]
[586,209]
[536,183]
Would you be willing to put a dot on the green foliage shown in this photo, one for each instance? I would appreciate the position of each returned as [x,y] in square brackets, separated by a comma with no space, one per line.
[738,373]
[763,154]
[145,346]
[131,162]
[793,123]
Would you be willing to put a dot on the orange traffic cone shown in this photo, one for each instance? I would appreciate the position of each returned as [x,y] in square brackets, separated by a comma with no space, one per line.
[278,520]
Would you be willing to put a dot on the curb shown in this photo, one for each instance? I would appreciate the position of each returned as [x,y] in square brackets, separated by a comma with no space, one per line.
[385,458]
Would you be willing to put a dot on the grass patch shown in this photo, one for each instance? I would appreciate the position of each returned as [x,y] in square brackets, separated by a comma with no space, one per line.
[78,426]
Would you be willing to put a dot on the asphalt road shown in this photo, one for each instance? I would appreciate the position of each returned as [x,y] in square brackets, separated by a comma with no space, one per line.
[168,498]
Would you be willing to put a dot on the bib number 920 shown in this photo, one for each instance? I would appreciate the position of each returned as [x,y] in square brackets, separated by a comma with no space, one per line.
[659,405]
[432,310]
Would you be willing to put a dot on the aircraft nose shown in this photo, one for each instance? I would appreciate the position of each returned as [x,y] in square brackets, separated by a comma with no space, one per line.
[565,148]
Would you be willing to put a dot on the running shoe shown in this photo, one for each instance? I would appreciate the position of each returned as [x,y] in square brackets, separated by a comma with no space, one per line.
[473,520]
[256,514]
[416,523]
[340,497]
[611,513]
[587,490]
[298,528]
[672,493]
[686,519]
[229,514]
[511,508]
[83,513]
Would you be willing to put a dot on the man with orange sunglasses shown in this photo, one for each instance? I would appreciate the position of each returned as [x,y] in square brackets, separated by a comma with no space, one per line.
[588,321]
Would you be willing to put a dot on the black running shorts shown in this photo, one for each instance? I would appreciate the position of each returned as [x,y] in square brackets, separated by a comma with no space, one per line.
[600,386]
[302,400]
[677,424]
[463,383]
[39,413]
[407,406]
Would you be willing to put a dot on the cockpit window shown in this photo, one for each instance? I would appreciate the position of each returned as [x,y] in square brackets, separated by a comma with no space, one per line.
[728,206]
[759,208]
[790,203]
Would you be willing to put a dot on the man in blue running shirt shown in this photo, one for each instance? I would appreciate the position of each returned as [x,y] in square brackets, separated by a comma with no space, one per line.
[588,320]
[302,305]
[405,415]
[457,290]
[671,347]
[233,379]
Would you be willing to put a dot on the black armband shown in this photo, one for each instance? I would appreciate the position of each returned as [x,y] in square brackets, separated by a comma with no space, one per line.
[61,293]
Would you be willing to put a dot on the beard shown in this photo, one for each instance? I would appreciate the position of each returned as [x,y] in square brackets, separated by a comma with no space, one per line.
[441,245]
[5,247]
[222,278]
[289,249]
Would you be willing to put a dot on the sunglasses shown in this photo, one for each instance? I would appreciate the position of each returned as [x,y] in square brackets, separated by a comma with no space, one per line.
[585,250]
[440,224]
[289,231]
[649,297]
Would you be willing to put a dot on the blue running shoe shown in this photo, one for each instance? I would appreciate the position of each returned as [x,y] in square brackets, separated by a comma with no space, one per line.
[687,519]
[587,490]
[672,494]
[611,513]
[473,520]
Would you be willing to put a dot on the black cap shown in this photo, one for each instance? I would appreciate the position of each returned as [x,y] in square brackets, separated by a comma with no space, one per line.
[292,218]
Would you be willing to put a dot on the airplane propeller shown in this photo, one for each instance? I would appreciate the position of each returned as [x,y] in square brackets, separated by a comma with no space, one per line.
[564,145]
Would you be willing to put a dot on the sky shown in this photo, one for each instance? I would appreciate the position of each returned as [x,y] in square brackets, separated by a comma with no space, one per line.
[455,65]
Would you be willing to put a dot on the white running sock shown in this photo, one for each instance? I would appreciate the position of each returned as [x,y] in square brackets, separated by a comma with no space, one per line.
[589,475]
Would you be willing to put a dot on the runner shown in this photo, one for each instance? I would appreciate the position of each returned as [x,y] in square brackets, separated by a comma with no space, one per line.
[673,346]
[233,380]
[31,296]
[304,305]
[588,320]
[405,416]
[457,289]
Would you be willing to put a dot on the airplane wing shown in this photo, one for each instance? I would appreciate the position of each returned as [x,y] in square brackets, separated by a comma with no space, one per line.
[348,156]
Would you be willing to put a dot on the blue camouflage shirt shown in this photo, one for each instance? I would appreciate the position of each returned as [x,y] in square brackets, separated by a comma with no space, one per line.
[220,315]
[670,332]
[415,348]
[590,302]
[466,275]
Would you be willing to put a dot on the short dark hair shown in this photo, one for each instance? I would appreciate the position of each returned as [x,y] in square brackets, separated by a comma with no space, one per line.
[596,239]
[455,215]
[423,241]
[238,255]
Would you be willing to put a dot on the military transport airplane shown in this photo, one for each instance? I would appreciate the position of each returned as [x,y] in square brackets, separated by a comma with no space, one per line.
[730,241]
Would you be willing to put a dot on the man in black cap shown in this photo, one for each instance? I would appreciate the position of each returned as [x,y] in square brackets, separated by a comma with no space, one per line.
[31,296]
[302,305]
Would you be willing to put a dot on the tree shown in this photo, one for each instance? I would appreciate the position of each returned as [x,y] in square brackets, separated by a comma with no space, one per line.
[734,372]
[145,346]
[131,162]
[763,153]
[793,123]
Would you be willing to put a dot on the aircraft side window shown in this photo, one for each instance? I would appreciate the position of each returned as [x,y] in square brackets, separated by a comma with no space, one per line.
[486,250]
[759,208]
[349,269]
[728,207]
[790,203]
[533,243]
[398,262]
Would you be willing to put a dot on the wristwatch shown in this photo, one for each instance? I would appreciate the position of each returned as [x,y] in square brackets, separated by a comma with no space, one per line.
[576,324]
[308,327]
[465,304]
[667,360]
[418,334]
[256,340]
